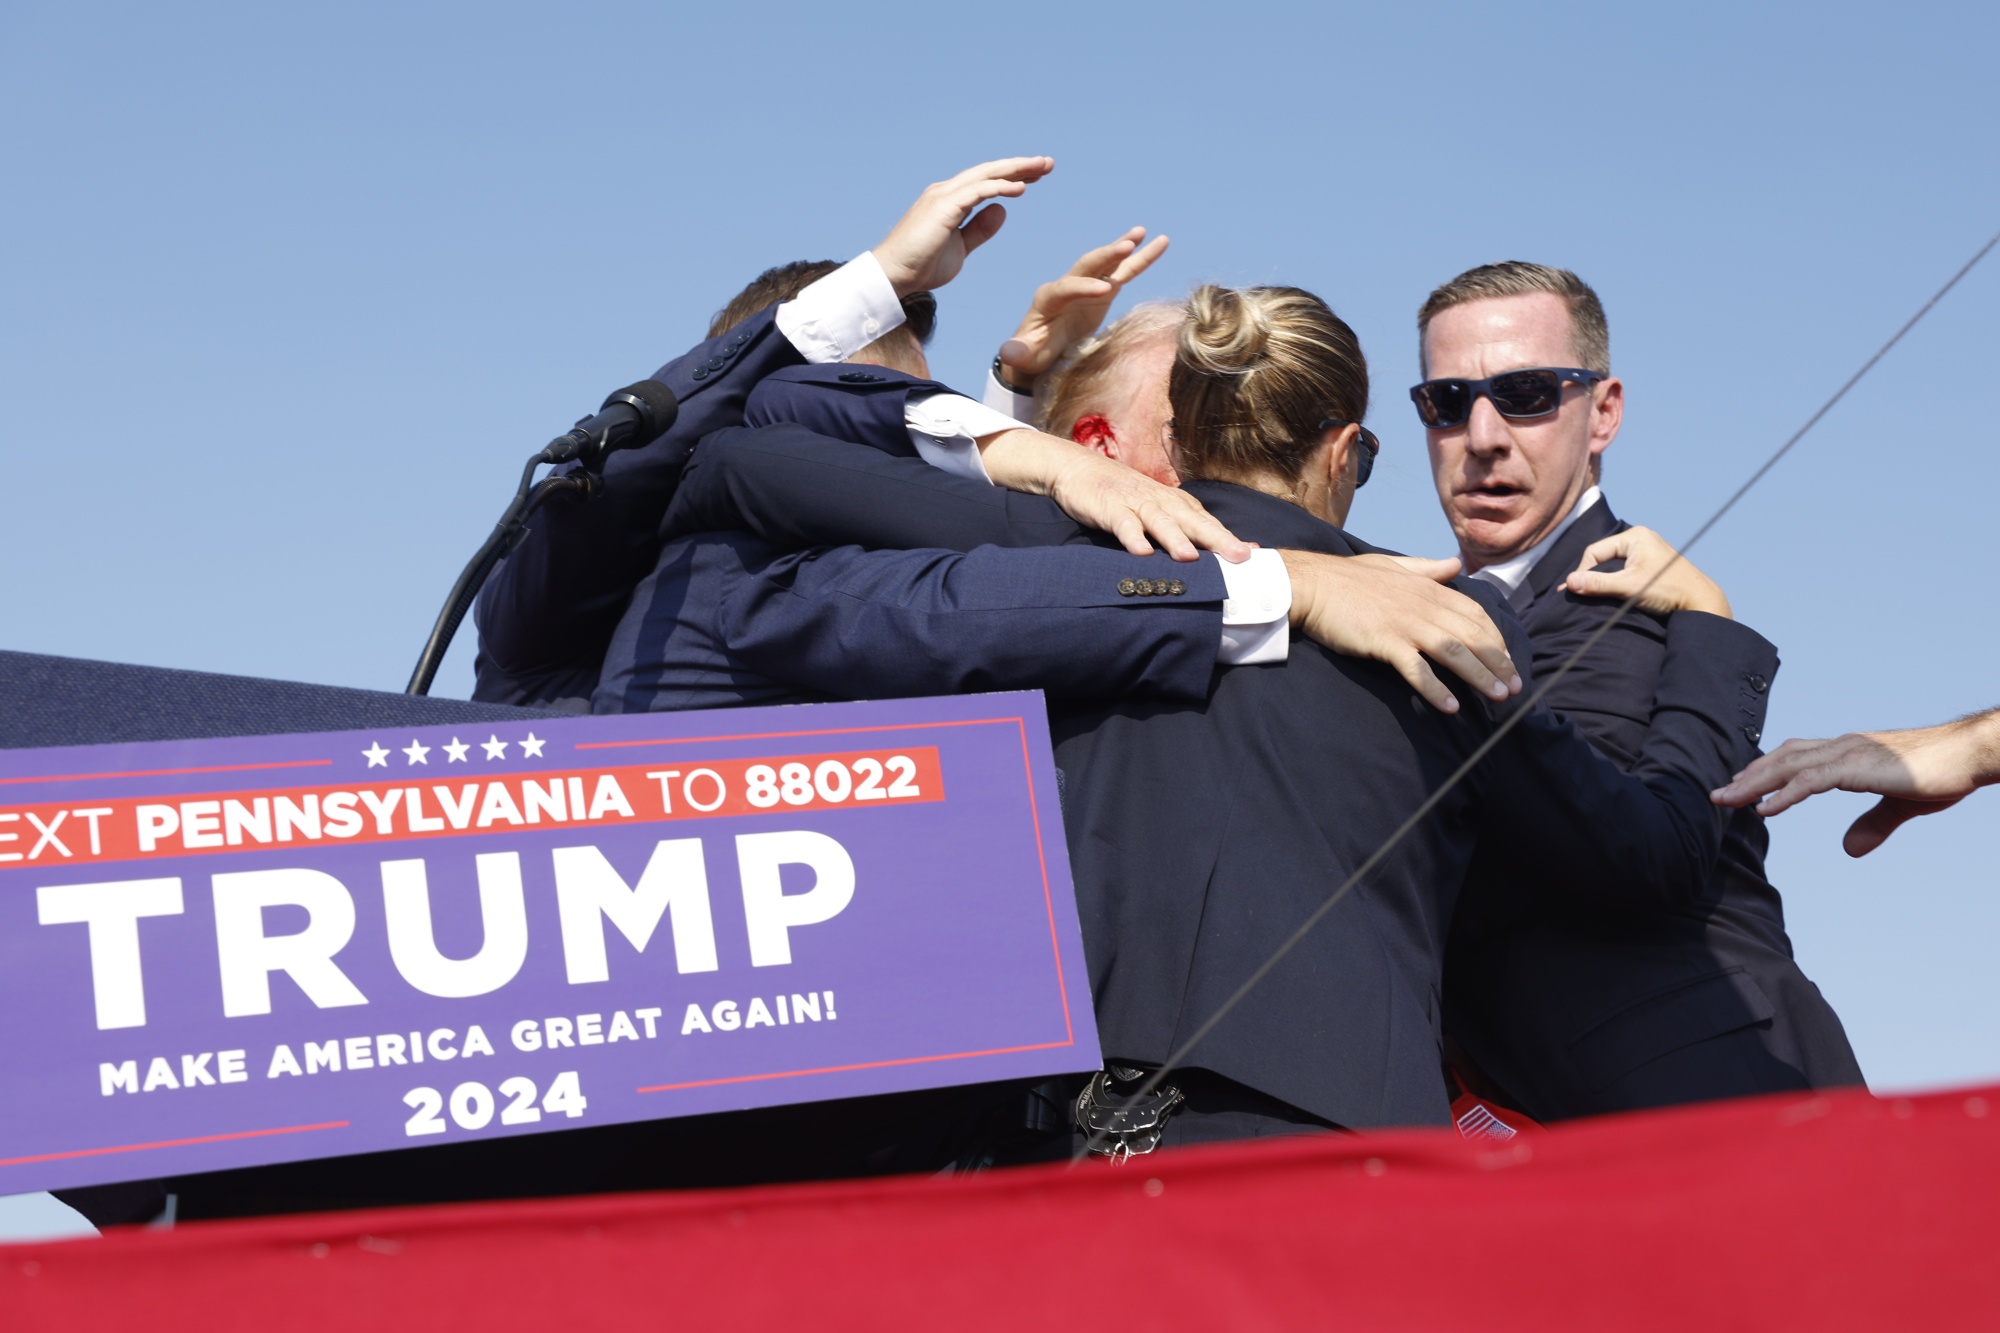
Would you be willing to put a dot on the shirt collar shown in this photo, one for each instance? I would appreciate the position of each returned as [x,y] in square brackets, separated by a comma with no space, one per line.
[1508,575]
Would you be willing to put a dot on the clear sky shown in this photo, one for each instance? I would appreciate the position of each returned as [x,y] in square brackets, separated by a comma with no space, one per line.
[289,291]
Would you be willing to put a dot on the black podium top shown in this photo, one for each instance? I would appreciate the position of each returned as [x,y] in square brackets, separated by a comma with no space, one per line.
[70,701]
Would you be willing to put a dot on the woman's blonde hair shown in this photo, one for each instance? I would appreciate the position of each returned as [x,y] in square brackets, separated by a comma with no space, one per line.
[1255,372]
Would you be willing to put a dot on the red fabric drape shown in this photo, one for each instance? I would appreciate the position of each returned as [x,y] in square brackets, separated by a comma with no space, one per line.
[1826,1212]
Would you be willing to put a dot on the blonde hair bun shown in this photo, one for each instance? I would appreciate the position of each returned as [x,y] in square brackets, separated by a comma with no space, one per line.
[1226,333]
[1255,372]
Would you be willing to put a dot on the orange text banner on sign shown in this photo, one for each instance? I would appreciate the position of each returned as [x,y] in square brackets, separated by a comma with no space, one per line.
[129,829]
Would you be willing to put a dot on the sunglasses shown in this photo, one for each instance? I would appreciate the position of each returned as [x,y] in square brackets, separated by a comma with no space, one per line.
[1518,395]
[1370,446]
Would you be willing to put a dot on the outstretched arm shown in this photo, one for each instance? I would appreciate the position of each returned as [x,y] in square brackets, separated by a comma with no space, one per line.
[1915,773]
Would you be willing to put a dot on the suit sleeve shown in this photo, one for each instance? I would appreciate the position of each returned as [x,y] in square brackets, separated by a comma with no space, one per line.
[796,488]
[858,624]
[864,407]
[549,609]
[1560,815]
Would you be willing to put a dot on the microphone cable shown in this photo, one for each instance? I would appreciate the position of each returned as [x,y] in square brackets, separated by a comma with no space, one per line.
[1180,1054]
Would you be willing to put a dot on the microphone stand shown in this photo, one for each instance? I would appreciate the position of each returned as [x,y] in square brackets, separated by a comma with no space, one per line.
[506,535]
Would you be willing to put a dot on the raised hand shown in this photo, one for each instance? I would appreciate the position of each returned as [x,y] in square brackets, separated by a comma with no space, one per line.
[1071,308]
[928,247]
[1681,587]
[1915,773]
[1397,609]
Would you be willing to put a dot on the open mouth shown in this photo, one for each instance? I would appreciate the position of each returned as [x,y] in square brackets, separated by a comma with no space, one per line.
[1495,492]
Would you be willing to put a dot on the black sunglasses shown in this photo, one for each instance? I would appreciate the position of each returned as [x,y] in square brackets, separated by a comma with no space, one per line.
[1518,395]
[1369,444]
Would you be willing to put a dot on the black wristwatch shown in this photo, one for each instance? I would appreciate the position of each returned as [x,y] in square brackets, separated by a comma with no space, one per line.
[1000,374]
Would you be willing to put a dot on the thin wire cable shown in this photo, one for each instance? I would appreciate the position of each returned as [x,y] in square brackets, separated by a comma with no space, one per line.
[1500,732]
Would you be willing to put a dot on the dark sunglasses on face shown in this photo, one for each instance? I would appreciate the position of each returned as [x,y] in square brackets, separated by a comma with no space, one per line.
[1518,395]
[1370,446]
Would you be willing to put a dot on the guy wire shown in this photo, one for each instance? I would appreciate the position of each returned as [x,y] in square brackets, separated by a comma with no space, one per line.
[1381,853]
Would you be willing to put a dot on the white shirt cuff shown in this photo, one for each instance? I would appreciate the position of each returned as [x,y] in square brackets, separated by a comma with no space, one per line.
[945,428]
[1256,610]
[1020,406]
[841,313]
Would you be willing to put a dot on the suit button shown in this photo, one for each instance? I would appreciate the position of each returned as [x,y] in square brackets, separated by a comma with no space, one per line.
[1126,587]
[1145,587]
[701,372]
[1752,734]
[715,363]
[1759,684]
[729,351]
[859,377]
[1177,588]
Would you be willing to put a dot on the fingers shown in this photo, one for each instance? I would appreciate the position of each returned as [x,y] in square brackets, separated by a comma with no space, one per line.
[1462,662]
[1140,259]
[1870,831]
[1183,529]
[1471,645]
[1441,571]
[982,226]
[1131,533]
[1590,583]
[1052,296]
[1025,170]
[1105,258]
[1615,547]
[1412,668]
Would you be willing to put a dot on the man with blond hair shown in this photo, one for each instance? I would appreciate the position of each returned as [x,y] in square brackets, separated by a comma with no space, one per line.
[1573,1009]
[1105,391]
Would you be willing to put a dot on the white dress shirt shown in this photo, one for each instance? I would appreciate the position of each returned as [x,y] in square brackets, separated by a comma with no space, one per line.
[1508,575]
[854,305]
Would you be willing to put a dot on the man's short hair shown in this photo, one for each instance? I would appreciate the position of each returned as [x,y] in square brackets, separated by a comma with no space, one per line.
[786,281]
[1076,386]
[1589,332]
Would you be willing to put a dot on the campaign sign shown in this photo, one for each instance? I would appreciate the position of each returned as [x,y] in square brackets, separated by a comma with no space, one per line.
[230,952]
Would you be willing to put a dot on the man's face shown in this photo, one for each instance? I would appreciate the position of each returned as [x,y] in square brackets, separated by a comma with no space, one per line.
[1138,411]
[1504,484]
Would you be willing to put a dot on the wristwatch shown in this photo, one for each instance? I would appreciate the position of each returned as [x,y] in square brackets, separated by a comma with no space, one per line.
[1000,374]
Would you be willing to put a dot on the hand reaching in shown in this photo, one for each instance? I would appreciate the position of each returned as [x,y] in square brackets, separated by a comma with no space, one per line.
[1670,580]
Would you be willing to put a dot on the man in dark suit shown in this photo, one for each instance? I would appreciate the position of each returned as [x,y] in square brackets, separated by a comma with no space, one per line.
[1345,1032]
[1572,1006]
[547,613]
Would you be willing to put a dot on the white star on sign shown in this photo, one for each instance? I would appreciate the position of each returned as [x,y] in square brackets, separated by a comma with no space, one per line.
[377,756]
[532,747]
[417,752]
[495,747]
[455,752]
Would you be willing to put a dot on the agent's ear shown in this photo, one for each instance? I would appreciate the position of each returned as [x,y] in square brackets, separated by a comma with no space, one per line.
[1092,431]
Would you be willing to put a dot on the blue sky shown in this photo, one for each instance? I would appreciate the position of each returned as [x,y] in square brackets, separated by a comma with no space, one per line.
[289,292]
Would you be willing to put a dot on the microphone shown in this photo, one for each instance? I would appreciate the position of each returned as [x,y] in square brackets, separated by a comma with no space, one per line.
[631,418]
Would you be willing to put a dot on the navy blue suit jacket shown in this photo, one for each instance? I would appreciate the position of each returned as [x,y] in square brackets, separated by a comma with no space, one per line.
[546,615]
[735,617]
[1203,833]
[726,618]
[1578,1008]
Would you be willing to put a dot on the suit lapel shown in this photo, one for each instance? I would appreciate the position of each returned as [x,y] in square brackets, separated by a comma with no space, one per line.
[1593,524]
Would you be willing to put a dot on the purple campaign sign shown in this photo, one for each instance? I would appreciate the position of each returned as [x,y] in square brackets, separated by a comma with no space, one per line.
[223,953]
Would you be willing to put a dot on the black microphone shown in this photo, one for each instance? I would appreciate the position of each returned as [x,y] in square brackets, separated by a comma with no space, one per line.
[631,418]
